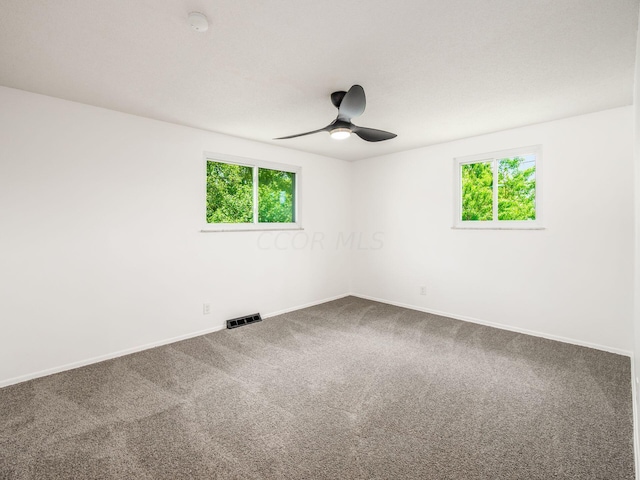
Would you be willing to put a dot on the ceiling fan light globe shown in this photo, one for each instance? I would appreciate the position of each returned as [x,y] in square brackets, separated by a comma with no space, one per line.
[340,133]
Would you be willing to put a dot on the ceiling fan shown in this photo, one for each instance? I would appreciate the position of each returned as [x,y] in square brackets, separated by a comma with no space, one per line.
[349,104]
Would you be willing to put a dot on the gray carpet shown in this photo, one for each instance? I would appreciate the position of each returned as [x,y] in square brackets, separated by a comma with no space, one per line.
[351,389]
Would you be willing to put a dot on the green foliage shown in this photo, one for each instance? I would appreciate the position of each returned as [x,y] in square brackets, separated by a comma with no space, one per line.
[229,193]
[477,191]
[516,190]
[275,196]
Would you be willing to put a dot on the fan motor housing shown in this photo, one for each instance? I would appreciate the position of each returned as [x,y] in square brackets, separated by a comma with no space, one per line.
[336,98]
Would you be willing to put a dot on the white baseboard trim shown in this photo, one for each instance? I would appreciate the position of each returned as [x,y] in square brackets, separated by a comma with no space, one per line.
[306,305]
[159,343]
[108,356]
[501,326]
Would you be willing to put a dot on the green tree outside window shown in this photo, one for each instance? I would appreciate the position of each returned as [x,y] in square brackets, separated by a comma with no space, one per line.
[516,195]
[230,194]
[275,196]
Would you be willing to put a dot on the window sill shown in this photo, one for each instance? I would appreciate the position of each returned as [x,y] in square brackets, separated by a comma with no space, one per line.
[498,227]
[268,227]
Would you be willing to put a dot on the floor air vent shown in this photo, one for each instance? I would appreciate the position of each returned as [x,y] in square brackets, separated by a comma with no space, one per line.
[239,322]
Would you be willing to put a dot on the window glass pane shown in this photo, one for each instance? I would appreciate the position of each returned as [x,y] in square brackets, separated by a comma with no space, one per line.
[477,191]
[517,188]
[276,196]
[229,193]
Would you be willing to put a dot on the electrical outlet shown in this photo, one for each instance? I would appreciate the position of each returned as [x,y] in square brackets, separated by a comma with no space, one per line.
[206,308]
[423,290]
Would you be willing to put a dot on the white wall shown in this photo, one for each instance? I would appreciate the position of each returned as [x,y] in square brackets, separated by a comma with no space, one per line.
[100,249]
[636,313]
[573,280]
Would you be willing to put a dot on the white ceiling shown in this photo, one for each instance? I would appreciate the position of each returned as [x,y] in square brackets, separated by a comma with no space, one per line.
[432,70]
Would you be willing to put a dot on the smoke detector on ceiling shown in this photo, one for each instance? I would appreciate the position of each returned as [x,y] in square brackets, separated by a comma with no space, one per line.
[198,22]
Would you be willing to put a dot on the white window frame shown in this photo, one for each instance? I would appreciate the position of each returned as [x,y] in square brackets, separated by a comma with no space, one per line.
[255,225]
[496,224]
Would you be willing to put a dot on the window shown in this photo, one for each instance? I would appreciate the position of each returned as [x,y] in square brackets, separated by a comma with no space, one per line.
[499,189]
[245,194]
